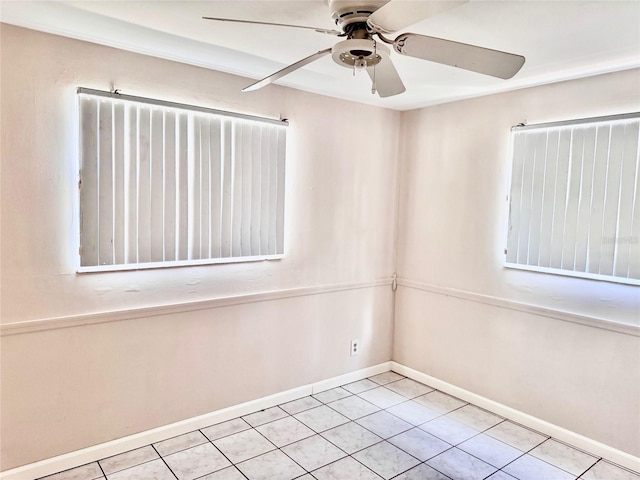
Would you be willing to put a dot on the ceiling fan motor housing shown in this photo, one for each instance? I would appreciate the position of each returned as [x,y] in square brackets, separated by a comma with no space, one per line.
[345,12]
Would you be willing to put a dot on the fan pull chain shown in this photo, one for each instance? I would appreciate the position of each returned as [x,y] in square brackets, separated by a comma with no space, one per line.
[373,82]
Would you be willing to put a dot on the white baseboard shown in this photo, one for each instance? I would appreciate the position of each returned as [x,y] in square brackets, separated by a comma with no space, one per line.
[114,447]
[591,446]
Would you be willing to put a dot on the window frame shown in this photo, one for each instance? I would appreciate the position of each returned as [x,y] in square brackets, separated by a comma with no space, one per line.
[612,119]
[193,110]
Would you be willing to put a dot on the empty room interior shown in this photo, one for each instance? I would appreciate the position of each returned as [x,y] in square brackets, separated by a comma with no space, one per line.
[415,267]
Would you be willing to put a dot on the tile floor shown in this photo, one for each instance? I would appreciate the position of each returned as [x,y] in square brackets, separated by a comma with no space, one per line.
[386,426]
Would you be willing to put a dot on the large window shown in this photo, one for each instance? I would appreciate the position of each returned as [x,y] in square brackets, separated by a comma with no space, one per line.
[575,199]
[165,184]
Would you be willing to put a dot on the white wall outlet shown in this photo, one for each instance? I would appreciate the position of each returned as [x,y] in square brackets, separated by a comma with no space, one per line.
[355,347]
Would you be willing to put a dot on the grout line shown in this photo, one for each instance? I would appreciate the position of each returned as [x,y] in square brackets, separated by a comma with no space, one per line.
[131,466]
[222,453]
[294,460]
[101,469]
[181,449]
[575,448]
[163,461]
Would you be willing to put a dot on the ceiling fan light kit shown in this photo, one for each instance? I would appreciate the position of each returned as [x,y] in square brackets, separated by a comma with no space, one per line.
[357,53]
[361,22]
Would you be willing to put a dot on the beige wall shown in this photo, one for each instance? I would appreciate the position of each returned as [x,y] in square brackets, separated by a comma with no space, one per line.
[452,233]
[70,388]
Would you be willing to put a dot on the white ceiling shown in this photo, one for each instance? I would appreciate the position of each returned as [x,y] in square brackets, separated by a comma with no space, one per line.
[560,40]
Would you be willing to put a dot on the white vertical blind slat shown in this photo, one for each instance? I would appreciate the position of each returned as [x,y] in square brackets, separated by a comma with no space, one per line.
[539,166]
[131,181]
[105,184]
[215,156]
[560,199]
[195,190]
[256,186]
[226,221]
[245,180]
[572,199]
[548,198]
[525,202]
[584,206]
[273,197]
[205,189]
[119,215]
[611,203]
[265,191]
[624,237]
[182,187]
[169,186]
[634,247]
[157,186]
[236,185]
[144,184]
[89,181]
[597,198]
[515,197]
[279,217]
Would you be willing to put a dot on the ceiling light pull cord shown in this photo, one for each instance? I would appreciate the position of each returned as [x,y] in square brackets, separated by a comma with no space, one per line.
[373,83]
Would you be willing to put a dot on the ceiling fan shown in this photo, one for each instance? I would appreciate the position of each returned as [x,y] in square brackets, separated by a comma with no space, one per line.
[363,22]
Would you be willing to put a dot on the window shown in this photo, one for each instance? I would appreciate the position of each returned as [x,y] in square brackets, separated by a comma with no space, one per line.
[575,199]
[165,184]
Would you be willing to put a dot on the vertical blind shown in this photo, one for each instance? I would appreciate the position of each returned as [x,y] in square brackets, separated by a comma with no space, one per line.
[575,198]
[166,184]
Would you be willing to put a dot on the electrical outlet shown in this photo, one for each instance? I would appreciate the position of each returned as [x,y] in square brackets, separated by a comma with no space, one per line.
[355,347]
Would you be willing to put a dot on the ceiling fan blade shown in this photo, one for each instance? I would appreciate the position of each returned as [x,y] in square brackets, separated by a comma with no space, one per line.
[399,14]
[286,70]
[319,30]
[468,57]
[385,78]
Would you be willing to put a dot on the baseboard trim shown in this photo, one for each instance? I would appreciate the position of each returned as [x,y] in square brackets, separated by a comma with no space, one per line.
[107,449]
[592,446]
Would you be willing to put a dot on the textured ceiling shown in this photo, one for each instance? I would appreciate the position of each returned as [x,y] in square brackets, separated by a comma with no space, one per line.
[560,40]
